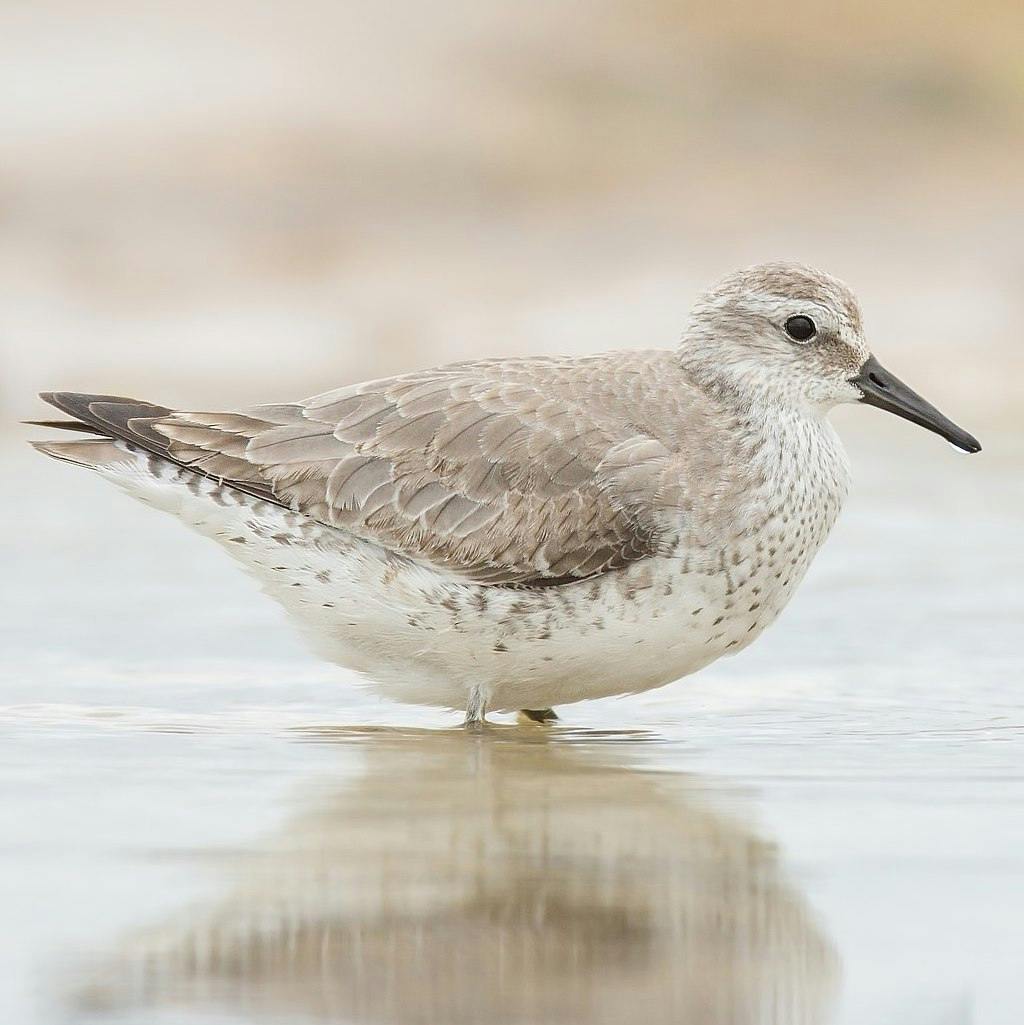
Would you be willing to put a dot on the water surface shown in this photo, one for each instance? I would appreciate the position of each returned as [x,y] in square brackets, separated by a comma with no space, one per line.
[200,824]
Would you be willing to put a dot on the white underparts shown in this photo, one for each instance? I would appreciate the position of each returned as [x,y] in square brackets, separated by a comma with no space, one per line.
[424,636]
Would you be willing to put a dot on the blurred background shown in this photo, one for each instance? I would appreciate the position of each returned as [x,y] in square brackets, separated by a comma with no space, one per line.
[214,204]
[250,201]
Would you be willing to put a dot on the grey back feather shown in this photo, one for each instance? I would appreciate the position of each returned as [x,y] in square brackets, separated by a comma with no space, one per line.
[516,472]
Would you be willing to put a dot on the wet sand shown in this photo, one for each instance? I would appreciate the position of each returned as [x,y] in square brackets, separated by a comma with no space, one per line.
[202,824]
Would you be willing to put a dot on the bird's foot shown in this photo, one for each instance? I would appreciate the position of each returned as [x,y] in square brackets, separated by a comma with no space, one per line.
[540,716]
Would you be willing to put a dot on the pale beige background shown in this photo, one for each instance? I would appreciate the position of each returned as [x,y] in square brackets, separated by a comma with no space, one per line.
[212,203]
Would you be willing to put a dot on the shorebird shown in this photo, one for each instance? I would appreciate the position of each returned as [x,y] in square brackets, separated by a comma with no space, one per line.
[515,534]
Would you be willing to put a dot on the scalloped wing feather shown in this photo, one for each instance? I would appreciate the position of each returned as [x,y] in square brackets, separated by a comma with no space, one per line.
[505,472]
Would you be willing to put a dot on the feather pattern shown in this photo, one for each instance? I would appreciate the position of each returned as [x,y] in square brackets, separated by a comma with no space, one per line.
[521,472]
[412,525]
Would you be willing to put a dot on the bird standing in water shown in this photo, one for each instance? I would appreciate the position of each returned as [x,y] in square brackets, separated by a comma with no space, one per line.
[514,534]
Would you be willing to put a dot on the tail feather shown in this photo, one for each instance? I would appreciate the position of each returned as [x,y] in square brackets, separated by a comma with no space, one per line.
[132,421]
[95,453]
[115,416]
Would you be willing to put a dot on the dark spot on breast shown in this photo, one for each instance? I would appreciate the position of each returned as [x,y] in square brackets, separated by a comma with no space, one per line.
[238,540]
[754,607]
[327,605]
[697,612]
[717,621]
[324,576]
[500,646]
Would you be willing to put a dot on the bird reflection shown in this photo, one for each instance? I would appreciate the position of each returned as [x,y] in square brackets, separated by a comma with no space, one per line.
[523,876]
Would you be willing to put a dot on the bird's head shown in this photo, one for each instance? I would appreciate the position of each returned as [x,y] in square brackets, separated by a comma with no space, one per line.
[791,334]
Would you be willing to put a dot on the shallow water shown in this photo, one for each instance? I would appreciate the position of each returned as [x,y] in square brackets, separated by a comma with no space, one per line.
[199,823]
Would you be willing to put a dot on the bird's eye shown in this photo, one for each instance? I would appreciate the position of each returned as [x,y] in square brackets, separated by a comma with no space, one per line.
[800,328]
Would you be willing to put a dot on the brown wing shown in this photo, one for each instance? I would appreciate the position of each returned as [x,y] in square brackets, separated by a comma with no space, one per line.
[506,472]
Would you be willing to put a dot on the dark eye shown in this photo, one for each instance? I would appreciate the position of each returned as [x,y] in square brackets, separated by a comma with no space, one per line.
[800,328]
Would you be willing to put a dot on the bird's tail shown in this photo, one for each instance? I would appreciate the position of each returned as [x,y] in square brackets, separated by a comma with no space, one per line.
[106,420]
[94,453]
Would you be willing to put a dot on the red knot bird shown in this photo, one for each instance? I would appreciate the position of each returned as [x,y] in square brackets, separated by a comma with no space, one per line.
[515,534]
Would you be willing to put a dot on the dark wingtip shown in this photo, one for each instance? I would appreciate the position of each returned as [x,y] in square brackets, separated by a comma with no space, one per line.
[65,399]
[66,402]
[62,425]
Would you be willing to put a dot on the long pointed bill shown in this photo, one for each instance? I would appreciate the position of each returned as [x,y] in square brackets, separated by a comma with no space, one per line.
[880,388]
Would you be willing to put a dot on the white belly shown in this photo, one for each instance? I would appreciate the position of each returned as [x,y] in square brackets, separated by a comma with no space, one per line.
[423,637]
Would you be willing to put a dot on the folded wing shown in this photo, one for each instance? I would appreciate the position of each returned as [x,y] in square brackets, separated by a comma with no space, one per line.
[506,472]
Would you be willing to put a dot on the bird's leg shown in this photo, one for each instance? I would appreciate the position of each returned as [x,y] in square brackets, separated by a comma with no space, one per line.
[476,709]
[541,716]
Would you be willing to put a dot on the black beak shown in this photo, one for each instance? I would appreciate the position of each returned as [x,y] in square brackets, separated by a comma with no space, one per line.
[880,388]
